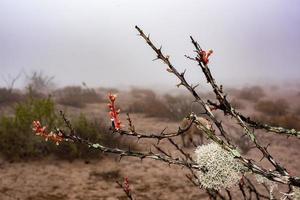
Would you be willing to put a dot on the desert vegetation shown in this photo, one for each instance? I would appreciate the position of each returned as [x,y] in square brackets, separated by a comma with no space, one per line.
[232,159]
[251,93]
[166,106]
[77,96]
[17,141]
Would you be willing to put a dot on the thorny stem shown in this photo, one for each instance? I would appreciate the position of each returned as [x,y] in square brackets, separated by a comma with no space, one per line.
[162,135]
[280,175]
[128,153]
[269,128]
[226,107]
[230,110]
[183,82]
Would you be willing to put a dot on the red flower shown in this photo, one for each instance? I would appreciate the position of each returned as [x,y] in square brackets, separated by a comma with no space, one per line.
[114,113]
[203,56]
[126,185]
[41,131]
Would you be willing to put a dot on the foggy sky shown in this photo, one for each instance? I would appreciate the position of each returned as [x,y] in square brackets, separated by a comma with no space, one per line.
[95,41]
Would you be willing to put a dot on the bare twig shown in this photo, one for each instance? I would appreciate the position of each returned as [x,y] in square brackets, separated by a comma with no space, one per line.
[226,107]
[10,83]
[159,137]
[280,175]
[63,136]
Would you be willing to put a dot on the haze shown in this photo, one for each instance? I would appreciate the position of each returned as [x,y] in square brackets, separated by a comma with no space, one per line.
[95,41]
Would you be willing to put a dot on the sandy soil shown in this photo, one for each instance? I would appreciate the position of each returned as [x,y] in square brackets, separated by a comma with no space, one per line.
[56,179]
[53,179]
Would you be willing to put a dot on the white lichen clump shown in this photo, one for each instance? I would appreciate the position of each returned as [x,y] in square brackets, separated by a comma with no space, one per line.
[296,193]
[221,169]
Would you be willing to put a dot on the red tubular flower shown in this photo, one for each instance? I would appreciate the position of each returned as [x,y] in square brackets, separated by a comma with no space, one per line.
[203,56]
[126,185]
[114,113]
[41,131]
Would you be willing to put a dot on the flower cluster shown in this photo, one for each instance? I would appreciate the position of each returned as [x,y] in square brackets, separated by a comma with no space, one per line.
[41,131]
[221,169]
[203,56]
[114,113]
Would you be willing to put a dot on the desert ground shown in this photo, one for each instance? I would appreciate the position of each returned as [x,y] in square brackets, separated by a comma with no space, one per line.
[55,179]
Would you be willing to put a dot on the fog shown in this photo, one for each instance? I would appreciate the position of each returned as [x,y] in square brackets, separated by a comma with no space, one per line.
[254,42]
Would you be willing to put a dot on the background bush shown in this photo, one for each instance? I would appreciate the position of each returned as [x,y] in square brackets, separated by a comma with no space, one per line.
[297,110]
[174,108]
[40,83]
[77,96]
[8,96]
[93,131]
[180,106]
[251,93]
[290,121]
[147,102]
[237,104]
[273,108]
[17,140]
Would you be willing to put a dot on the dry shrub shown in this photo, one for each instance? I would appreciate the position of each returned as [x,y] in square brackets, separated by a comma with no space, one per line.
[289,121]
[106,90]
[297,110]
[34,94]
[142,93]
[77,96]
[40,83]
[237,104]
[8,96]
[152,107]
[272,108]
[18,142]
[174,108]
[232,91]
[180,106]
[145,101]
[253,93]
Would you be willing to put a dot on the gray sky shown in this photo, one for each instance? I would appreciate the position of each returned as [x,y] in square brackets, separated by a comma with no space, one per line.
[95,41]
